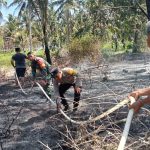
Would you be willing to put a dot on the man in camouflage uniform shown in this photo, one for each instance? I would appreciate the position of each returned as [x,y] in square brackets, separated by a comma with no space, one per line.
[44,68]
[63,79]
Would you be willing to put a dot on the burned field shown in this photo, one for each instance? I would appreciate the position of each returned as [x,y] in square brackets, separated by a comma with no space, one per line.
[31,122]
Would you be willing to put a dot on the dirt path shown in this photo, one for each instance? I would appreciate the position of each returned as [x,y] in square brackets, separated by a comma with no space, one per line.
[39,121]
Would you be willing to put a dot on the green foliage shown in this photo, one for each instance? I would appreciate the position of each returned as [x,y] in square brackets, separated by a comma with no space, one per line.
[55,53]
[5,58]
[40,53]
[74,20]
[86,47]
[1,42]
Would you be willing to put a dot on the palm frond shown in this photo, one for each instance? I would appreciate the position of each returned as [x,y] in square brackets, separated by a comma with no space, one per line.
[58,2]
[60,8]
[14,3]
[22,8]
[36,7]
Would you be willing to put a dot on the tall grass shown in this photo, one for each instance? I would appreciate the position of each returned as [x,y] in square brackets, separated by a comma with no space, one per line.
[5,58]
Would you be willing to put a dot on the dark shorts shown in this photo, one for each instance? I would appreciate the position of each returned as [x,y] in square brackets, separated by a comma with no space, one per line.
[20,72]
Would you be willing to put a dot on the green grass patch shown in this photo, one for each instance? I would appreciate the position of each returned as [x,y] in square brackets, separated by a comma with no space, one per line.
[5,59]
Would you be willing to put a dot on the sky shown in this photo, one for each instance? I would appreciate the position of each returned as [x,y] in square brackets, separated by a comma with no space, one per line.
[6,11]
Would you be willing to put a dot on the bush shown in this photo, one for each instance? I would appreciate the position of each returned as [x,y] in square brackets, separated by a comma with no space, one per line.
[86,47]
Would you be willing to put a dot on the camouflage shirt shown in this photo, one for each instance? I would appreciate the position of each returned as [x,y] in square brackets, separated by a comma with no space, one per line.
[69,76]
[43,66]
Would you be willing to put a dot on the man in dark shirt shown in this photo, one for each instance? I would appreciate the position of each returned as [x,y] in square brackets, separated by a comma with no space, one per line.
[19,63]
[44,67]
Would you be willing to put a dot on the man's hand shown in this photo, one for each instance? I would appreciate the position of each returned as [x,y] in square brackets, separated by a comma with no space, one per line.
[136,106]
[42,82]
[77,89]
[148,41]
[58,107]
[33,82]
[134,94]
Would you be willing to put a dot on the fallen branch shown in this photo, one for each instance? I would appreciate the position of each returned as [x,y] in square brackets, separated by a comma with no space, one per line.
[45,145]
[100,129]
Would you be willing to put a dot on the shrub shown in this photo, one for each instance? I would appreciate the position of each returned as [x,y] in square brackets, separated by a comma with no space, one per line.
[86,47]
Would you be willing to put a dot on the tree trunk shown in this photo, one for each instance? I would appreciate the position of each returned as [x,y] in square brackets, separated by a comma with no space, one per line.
[30,32]
[135,42]
[47,52]
[68,25]
[44,27]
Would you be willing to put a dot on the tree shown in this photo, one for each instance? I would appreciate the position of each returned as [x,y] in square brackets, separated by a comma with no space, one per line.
[39,8]
[25,11]
[65,11]
[2,3]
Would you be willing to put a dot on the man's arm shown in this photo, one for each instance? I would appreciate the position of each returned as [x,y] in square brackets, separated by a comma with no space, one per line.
[140,102]
[33,67]
[146,100]
[140,92]
[12,63]
[78,85]
[78,80]
[56,89]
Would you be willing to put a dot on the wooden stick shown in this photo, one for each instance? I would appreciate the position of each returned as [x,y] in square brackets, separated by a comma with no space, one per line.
[127,127]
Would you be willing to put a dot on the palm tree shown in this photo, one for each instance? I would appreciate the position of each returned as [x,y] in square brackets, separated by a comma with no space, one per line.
[65,11]
[25,11]
[39,8]
[2,3]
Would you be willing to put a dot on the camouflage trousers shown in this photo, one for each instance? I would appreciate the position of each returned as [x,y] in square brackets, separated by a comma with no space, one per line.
[47,89]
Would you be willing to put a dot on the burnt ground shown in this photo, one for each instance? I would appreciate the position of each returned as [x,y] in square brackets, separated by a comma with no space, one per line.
[27,121]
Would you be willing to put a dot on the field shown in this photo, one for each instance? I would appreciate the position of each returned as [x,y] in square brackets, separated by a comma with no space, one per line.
[31,122]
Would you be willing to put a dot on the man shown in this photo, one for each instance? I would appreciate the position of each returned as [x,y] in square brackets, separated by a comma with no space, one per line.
[62,81]
[18,62]
[44,68]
